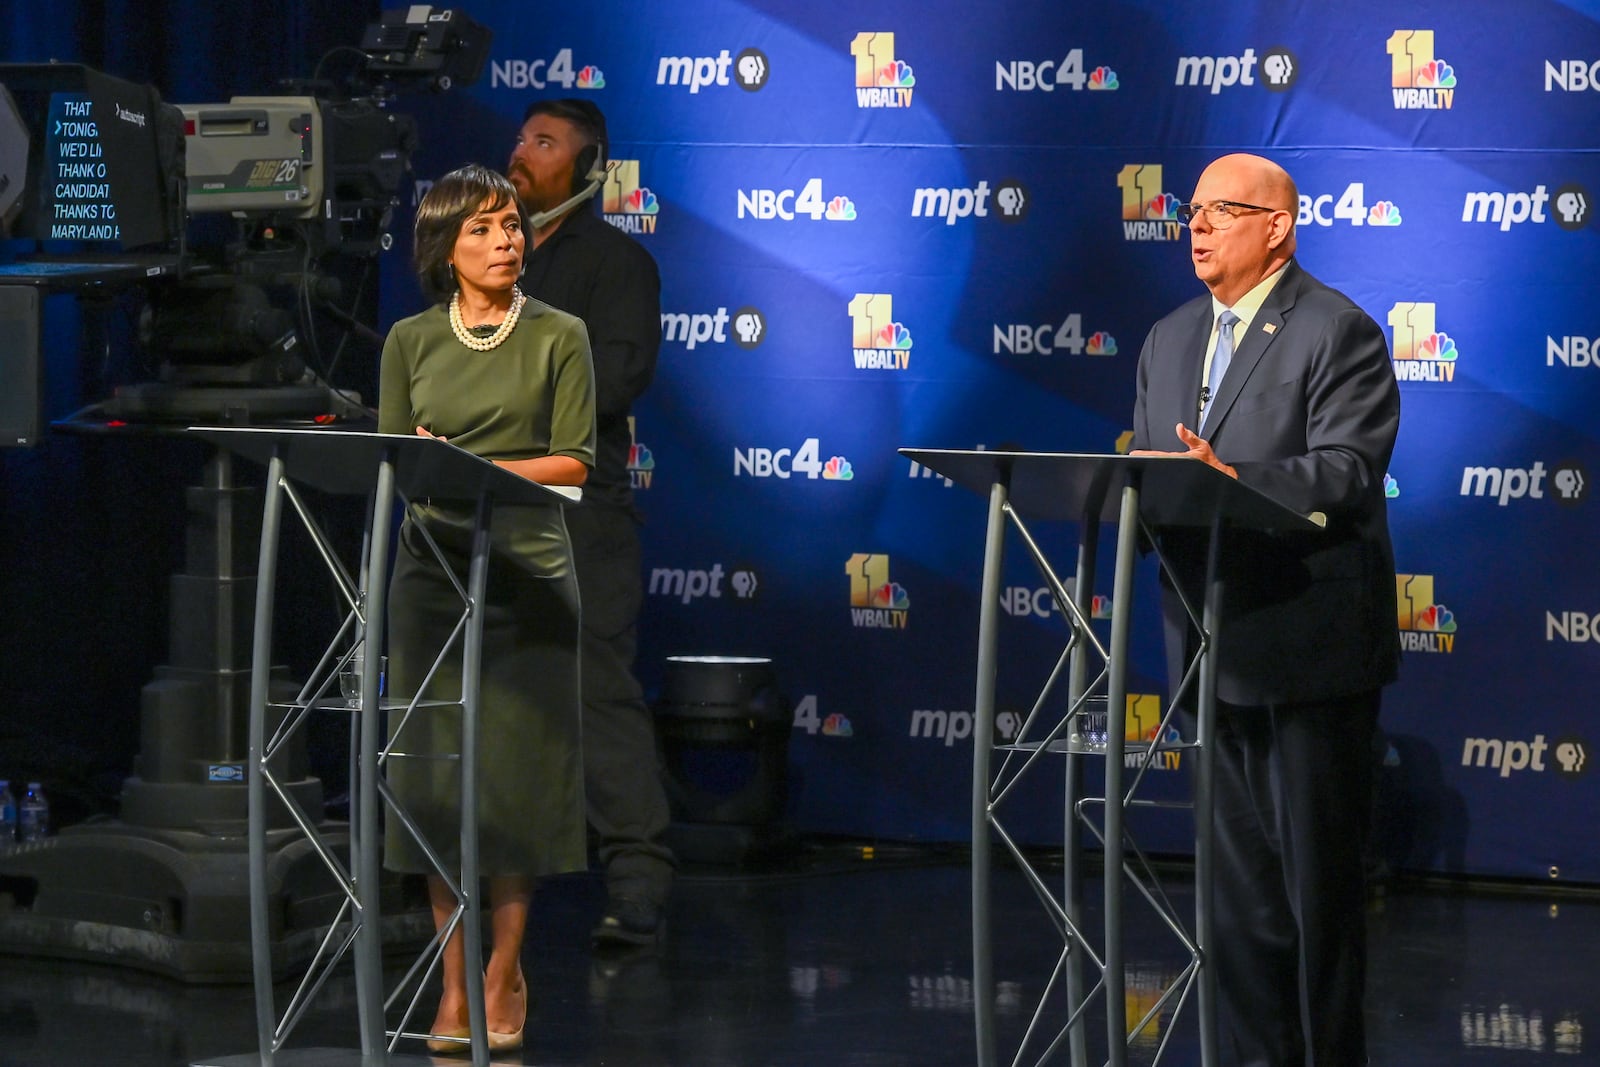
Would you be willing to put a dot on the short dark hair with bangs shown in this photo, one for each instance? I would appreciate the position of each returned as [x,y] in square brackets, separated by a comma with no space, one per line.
[453,200]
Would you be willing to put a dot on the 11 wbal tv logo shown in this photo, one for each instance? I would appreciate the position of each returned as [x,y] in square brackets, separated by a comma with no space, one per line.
[879,342]
[876,602]
[1148,212]
[882,81]
[1418,80]
[641,461]
[1425,626]
[1421,352]
[628,205]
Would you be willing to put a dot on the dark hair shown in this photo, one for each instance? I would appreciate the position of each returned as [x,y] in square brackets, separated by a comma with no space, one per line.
[454,199]
[587,118]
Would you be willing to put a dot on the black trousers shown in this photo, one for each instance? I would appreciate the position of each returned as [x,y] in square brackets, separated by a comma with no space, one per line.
[627,803]
[1293,787]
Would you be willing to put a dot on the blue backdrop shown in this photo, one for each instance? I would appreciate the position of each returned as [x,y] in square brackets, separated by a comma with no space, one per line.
[907,225]
[912,224]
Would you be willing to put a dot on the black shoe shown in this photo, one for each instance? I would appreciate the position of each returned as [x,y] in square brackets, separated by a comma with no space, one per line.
[628,922]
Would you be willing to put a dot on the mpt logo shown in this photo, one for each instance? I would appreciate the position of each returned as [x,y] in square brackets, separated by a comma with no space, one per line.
[1571,755]
[1573,207]
[690,585]
[953,204]
[1515,483]
[749,327]
[1217,73]
[700,72]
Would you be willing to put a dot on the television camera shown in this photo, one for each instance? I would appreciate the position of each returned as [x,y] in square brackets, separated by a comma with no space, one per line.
[243,220]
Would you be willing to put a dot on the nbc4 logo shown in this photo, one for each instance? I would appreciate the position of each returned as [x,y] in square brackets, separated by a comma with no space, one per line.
[881,79]
[1424,625]
[1321,210]
[1421,352]
[1148,212]
[543,73]
[879,341]
[628,205]
[1046,339]
[1418,80]
[786,204]
[1024,76]
[875,601]
[787,462]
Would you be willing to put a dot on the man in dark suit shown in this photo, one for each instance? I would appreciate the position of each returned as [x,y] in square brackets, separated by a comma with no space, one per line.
[1285,384]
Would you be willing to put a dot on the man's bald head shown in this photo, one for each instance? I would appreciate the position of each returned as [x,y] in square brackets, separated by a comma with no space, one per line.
[1259,237]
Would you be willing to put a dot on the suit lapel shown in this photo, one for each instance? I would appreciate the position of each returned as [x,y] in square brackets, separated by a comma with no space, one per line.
[1252,347]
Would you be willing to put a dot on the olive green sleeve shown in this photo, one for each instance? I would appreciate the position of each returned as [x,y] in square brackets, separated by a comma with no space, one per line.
[572,428]
[394,383]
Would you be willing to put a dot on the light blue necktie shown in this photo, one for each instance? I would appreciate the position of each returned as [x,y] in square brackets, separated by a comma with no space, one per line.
[1219,361]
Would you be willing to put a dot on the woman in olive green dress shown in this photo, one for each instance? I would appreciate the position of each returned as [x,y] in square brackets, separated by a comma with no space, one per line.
[509,379]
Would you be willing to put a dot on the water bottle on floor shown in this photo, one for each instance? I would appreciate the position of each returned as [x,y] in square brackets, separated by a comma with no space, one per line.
[8,815]
[33,814]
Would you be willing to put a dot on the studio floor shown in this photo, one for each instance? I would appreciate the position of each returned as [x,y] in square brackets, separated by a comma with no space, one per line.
[844,956]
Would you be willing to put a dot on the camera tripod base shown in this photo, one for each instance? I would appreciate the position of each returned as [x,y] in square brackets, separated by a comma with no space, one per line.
[177,902]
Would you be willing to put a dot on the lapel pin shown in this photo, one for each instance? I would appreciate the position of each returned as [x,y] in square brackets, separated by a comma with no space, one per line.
[1269,327]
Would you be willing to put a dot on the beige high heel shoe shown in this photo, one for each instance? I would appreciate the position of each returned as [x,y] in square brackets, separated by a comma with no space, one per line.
[507,1042]
[461,1044]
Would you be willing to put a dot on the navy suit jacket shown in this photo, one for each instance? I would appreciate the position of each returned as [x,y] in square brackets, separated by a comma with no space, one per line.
[1307,413]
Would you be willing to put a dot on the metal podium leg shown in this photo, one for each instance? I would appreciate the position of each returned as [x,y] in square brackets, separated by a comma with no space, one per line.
[982,742]
[471,678]
[1116,714]
[260,674]
[1206,724]
[1072,787]
[368,846]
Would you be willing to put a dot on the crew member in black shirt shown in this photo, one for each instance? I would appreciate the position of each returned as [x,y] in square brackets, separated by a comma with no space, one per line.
[582,265]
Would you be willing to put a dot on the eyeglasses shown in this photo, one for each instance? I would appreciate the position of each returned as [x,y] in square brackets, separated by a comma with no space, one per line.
[1219,213]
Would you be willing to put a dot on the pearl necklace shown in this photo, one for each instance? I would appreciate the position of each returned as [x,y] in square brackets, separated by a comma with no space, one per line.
[483,344]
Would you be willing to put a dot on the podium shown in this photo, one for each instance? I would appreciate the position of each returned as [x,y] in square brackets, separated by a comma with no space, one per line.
[1139,494]
[383,467]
